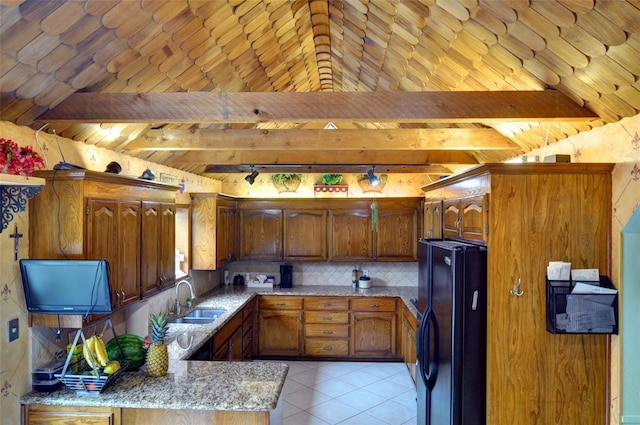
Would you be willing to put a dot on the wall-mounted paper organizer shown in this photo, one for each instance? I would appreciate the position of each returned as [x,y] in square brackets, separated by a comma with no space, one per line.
[575,307]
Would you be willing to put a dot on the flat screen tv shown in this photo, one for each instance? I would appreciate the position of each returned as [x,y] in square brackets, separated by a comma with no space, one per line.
[67,286]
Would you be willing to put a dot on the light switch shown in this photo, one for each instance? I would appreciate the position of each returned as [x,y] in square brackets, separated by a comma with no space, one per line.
[14,331]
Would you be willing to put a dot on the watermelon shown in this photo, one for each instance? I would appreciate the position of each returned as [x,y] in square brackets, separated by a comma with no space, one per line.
[131,344]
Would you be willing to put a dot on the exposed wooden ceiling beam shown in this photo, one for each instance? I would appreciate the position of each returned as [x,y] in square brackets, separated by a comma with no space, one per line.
[243,107]
[291,157]
[400,139]
[346,169]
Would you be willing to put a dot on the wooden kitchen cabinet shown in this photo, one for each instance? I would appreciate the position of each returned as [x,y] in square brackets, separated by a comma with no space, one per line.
[432,220]
[227,342]
[539,213]
[351,235]
[226,230]
[374,327]
[326,327]
[214,228]
[113,233]
[396,233]
[248,329]
[158,248]
[75,415]
[260,234]
[409,336]
[305,235]
[466,218]
[36,414]
[280,326]
[329,229]
[83,214]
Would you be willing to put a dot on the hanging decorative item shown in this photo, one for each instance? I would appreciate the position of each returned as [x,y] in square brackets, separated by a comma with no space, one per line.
[286,182]
[18,160]
[331,183]
[375,222]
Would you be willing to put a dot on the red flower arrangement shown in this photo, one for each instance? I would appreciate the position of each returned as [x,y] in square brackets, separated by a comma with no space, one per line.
[19,160]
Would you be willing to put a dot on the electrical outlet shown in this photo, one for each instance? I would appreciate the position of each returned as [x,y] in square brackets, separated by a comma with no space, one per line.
[14,330]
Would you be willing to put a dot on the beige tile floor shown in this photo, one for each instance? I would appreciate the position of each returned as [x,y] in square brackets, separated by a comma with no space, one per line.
[348,393]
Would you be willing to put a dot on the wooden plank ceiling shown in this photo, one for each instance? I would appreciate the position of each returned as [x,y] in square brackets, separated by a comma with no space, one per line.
[213,86]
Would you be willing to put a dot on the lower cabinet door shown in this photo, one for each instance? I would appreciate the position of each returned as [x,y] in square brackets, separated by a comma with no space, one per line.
[279,333]
[374,334]
[71,415]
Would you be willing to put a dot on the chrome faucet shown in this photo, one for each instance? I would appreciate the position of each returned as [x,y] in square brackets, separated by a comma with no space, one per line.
[192,295]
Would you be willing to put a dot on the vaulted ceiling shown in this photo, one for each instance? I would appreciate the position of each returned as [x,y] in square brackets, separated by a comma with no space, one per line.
[212,86]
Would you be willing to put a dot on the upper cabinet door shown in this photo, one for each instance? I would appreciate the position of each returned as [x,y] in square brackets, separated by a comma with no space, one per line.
[305,235]
[261,234]
[129,251]
[396,235]
[225,235]
[102,240]
[473,213]
[167,263]
[432,219]
[351,235]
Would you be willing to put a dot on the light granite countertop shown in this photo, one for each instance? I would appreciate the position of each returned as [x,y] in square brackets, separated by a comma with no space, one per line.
[239,386]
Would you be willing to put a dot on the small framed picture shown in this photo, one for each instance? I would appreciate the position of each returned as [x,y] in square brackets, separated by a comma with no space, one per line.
[168,178]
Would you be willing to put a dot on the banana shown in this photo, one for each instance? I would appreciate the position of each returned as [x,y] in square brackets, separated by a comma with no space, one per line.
[100,351]
[88,350]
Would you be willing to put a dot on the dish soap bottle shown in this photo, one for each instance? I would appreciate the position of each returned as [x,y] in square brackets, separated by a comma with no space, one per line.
[354,278]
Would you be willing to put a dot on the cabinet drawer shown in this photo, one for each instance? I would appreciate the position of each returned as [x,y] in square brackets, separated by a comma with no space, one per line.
[326,303]
[326,347]
[373,304]
[326,331]
[280,303]
[326,317]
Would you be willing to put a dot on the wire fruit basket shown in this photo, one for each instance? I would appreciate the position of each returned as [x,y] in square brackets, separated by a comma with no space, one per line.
[86,377]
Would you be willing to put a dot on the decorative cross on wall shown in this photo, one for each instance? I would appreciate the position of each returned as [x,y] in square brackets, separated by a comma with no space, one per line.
[16,241]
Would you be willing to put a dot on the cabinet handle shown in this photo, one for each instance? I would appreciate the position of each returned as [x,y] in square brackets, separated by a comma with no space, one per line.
[281,304]
[327,332]
[374,305]
[327,318]
[326,305]
[327,348]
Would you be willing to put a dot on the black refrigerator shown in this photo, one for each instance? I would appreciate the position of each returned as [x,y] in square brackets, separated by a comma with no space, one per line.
[451,344]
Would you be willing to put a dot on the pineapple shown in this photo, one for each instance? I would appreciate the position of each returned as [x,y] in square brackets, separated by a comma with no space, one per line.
[157,356]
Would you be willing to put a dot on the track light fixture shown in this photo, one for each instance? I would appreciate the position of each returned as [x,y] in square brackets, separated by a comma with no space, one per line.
[373,179]
[251,177]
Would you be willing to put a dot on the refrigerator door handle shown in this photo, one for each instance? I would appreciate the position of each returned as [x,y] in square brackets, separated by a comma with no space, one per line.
[428,340]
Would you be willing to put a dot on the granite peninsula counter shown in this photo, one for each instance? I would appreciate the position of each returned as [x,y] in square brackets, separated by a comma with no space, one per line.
[232,387]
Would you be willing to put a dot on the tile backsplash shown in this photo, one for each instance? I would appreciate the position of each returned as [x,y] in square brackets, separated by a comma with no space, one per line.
[339,274]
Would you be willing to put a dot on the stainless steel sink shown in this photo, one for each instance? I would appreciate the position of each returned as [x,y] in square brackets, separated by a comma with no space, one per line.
[205,313]
[200,316]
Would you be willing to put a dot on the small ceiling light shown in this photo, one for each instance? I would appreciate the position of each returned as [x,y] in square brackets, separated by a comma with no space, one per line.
[251,177]
[373,179]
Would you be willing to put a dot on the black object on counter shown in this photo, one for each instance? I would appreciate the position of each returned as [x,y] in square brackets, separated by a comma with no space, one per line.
[286,276]
[238,280]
